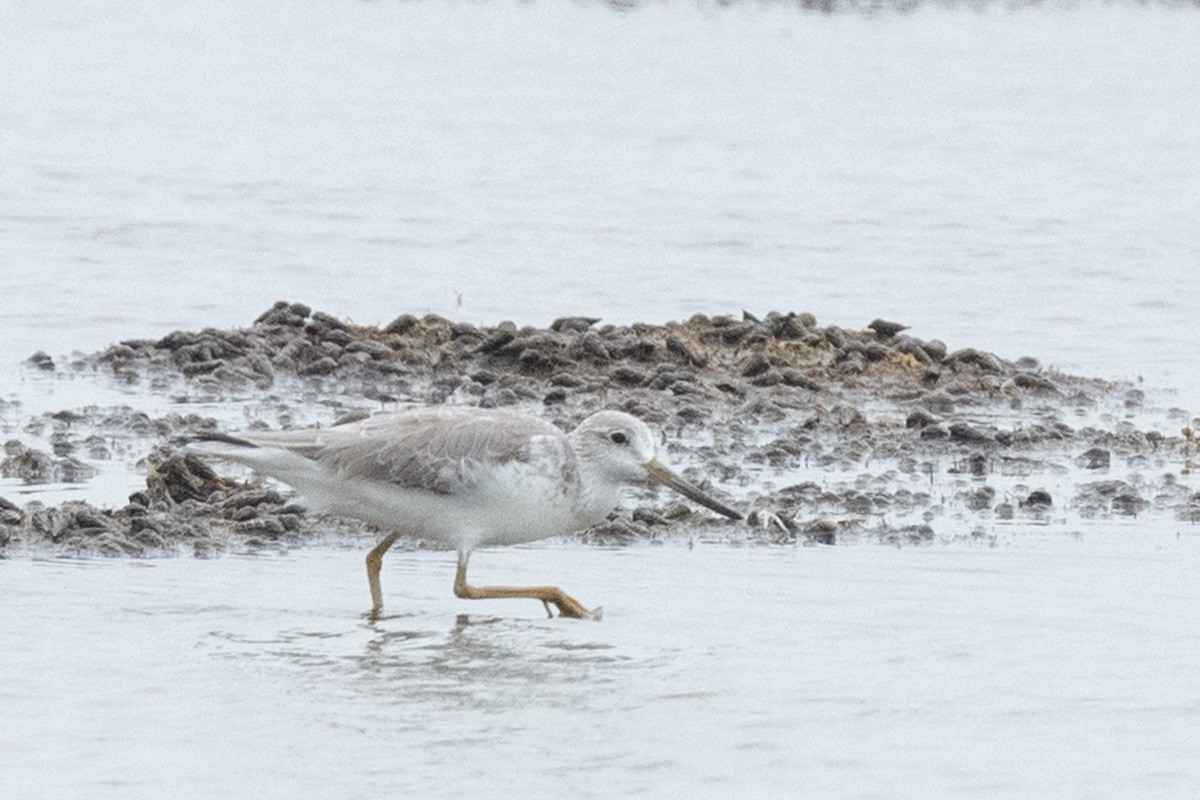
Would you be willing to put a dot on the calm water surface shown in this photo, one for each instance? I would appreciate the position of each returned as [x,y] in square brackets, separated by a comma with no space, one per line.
[1047,666]
[1021,181]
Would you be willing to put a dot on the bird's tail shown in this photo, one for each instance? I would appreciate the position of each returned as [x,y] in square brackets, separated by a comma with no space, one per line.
[211,441]
[296,470]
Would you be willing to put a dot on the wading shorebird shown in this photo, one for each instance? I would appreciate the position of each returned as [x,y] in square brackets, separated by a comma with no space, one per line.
[463,477]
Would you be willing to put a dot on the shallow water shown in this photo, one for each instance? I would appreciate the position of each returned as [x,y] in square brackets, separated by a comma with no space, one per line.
[1022,181]
[1049,665]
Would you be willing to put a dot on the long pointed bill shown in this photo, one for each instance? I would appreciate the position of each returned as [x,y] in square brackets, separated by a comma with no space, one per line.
[661,474]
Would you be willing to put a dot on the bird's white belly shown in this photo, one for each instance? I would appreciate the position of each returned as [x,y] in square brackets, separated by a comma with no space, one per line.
[513,507]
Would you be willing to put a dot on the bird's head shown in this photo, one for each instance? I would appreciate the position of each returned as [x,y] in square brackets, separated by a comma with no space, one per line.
[622,447]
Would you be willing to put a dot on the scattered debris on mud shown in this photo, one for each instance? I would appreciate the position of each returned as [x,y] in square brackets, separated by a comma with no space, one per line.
[823,432]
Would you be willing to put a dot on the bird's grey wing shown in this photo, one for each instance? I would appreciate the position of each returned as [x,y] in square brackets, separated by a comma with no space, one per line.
[307,442]
[437,450]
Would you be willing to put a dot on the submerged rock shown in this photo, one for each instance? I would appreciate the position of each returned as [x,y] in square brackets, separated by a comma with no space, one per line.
[34,466]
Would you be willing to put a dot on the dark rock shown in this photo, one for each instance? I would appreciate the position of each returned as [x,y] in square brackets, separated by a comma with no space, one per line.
[985,362]
[755,366]
[909,534]
[935,349]
[374,349]
[854,364]
[685,387]
[638,349]
[566,380]
[590,346]
[768,378]
[284,314]
[856,503]
[1095,458]
[72,470]
[1129,504]
[962,432]
[464,331]
[326,322]
[628,376]
[322,366]
[535,361]
[264,527]
[495,342]
[796,379]
[36,467]
[648,516]
[934,432]
[981,498]
[339,336]
[178,340]
[684,353]
[1034,383]
[786,327]
[976,464]
[821,531]
[875,352]
[251,498]
[938,403]
[846,416]
[919,418]
[41,360]
[1038,499]
[177,478]
[401,325]
[912,347]
[1107,489]
[194,368]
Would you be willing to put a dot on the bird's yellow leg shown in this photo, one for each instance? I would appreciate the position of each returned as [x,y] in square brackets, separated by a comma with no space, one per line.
[374,561]
[549,595]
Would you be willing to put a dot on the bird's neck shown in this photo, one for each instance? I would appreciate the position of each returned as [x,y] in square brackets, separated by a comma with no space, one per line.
[598,496]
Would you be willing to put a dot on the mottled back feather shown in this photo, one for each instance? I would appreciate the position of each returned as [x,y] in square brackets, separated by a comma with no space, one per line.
[443,450]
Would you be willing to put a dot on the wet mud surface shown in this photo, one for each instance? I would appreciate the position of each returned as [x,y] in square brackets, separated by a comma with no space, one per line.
[820,433]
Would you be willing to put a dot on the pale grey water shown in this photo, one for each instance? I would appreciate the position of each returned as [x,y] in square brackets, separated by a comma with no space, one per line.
[1028,670]
[1019,181]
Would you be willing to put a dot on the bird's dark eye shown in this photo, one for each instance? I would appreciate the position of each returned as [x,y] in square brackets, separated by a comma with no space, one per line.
[619,438]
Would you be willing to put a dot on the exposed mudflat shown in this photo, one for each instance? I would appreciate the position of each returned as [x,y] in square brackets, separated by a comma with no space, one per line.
[837,432]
